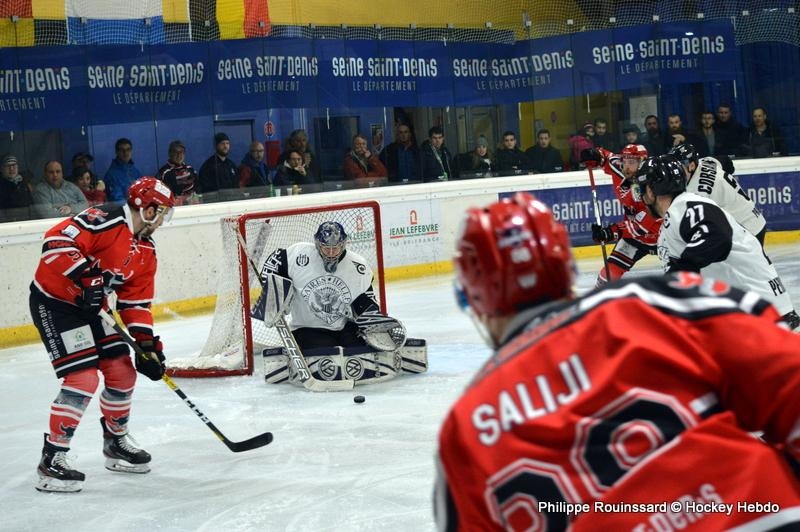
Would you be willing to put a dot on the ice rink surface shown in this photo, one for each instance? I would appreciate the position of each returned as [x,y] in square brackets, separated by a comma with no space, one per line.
[333,466]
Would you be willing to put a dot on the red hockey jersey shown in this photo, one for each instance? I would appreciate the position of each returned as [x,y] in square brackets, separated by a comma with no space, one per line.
[101,236]
[574,412]
[638,223]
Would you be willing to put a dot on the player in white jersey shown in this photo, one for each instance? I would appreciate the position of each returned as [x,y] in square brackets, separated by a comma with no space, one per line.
[707,177]
[699,236]
[326,288]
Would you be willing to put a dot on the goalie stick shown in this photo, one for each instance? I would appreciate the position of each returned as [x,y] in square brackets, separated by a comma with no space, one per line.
[295,354]
[235,446]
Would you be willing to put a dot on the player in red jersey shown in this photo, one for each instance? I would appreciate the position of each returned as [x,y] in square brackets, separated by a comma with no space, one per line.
[103,250]
[636,234]
[574,425]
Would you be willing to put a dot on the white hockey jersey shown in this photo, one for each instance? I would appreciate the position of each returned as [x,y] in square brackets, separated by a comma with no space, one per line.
[711,181]
[697,235]
[322,300]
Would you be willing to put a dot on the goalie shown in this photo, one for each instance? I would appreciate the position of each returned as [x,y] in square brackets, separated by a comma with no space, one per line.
[327,290]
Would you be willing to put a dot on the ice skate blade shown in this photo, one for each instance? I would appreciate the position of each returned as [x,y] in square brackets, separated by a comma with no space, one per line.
[121,466]
[54,485]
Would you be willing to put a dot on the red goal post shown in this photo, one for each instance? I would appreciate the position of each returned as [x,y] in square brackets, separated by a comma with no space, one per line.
[235,340]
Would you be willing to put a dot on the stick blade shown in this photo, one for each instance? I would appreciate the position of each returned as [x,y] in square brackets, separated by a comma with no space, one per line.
[253,443]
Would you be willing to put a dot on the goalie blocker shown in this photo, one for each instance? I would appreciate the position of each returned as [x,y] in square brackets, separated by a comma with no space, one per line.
[363,365]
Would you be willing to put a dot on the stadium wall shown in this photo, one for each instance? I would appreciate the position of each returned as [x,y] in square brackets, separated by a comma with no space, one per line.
[418,222]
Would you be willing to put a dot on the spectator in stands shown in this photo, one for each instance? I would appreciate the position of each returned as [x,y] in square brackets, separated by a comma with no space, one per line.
[435,157]
[582,140]
[360,162]
[708,137]
[544,158]
[56,197]
[16,192]
[631,134]
[603,137]
[84,179]
[298,141]
[253,171]
[678,134]
[293,171]
[122,172]
[475,163]
[654,143]
[84,160]
[179,176]
[402,157]
[730,132]
[509,160]
[219,171]
[763,139]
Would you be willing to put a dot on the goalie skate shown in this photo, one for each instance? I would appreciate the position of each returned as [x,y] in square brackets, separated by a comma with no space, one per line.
[55,474]
[122,455]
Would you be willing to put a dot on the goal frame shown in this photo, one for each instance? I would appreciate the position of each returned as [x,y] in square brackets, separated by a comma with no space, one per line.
[246,273]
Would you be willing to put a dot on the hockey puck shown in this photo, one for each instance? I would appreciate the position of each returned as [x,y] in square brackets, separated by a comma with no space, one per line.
[359,399]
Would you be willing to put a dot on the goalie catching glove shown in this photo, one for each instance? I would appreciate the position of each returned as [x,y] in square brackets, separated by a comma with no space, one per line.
[151,362]
[275,299]
[381,332]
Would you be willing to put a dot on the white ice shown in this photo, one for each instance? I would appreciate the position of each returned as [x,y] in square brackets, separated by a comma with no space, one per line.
[333,466]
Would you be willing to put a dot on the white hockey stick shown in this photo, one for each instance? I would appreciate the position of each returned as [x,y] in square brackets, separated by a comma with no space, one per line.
[296,358]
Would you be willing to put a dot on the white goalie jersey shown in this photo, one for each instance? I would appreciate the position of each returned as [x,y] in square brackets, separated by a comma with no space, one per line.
[697,235]
[711,181]
[321,299]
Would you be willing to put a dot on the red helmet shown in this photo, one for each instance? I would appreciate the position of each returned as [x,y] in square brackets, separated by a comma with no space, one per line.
[511,255]
[151,192]
[634,150]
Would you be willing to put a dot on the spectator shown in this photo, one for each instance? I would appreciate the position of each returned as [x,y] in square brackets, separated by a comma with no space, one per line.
[122,172]
[360,163]
[402,157]
[435,157]
[707,136]
[475,163]
[631,134]
[602,137]
[83,178]
[55,197]
[677,134]
[253,171]
[763,139]
[219,171]
[730,132]
[16,192]
[582,140]
[179,176]
[84,160]
[572,409]
[298,141]
[544,158]
[292,171]
[654,143]
[509,160]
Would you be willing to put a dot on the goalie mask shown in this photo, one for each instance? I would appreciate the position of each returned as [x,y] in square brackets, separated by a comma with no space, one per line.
[330,239]
[512,255]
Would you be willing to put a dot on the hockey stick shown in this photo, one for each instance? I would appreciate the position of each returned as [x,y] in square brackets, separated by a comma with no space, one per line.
[597,218]
[235,446]
[296,358]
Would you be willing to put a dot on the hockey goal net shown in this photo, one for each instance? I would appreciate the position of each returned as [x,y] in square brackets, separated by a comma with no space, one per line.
[235,338]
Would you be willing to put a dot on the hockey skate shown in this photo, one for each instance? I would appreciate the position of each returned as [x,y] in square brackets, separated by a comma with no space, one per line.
[55,474]
[121,455]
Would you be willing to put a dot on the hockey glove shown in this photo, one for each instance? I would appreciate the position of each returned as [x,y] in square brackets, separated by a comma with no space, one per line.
[151,363]
[91,299]
[609,233]
[591,157]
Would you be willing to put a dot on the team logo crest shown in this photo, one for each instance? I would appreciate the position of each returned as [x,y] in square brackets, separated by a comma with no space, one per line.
[302,260]
[328,297]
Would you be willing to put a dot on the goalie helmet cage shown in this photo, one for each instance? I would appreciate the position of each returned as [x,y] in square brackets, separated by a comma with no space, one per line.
[234,337]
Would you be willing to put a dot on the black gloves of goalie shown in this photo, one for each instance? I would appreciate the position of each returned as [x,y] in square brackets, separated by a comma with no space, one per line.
[93,294]
[151,362]
[591,157]
[611,233]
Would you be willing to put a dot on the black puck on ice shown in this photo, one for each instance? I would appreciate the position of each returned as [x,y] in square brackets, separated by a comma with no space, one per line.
[359,399]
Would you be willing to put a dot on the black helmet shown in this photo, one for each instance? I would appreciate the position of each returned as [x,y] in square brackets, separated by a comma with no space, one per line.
[685,153]
[663,174]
